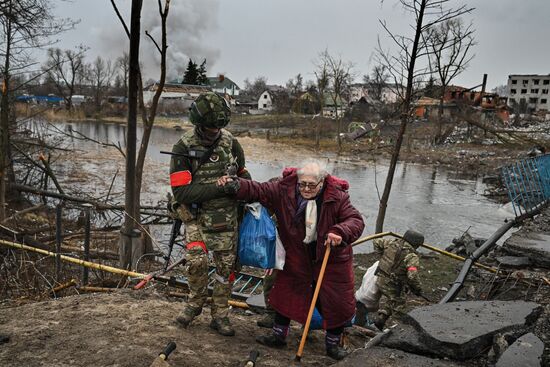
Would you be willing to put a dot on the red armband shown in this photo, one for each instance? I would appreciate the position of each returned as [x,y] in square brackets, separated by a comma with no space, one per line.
[412,268]
[200,244]
[180,178]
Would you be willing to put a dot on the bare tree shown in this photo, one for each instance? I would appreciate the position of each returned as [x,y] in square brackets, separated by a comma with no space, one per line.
[322,81]
[25,25]
[147,115]
[100,74]
[340,77]
[255,88]
[63,70]
[295,85]
[449,44]
[123,66]
[403,67]
[377,81]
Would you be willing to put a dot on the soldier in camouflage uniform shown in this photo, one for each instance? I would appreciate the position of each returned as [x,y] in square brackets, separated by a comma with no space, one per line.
[398,266]
[209,211]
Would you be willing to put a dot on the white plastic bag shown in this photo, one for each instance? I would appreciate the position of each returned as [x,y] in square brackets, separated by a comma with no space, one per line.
[280,253]
[368,294]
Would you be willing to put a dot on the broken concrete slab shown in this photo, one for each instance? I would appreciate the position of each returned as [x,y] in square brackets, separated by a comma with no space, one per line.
[535,246]
[513,261]
[385,357]
[406,338]
[526,352]
[461,330]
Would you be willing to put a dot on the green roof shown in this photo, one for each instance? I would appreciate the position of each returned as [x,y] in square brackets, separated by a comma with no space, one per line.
[227,83]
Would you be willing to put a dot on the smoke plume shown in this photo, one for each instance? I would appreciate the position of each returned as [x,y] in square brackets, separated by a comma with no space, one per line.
[189,22]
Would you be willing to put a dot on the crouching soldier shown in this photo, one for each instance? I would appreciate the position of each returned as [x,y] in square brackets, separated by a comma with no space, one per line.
[398,267]
[209,211]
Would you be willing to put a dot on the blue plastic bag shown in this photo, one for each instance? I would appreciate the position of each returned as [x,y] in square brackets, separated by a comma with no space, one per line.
[317,321]
[257,238]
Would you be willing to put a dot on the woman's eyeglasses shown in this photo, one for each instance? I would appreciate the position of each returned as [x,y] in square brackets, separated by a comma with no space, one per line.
[308,185]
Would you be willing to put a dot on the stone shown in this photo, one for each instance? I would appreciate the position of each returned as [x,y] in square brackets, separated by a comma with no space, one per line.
[514,261]
[526,351]
[460,330]
[535,246]
[385,357]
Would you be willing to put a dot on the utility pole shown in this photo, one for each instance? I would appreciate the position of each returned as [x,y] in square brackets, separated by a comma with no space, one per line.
[129,235]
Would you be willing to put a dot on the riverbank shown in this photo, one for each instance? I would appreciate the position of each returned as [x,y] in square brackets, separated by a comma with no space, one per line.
[473,152]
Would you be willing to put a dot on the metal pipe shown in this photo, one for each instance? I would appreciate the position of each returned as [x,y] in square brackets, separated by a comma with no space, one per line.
[431,248]
[65,258]
[58,241]
[485,247]
[85,271]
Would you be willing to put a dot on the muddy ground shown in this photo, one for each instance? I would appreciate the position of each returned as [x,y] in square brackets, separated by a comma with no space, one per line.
[129,328]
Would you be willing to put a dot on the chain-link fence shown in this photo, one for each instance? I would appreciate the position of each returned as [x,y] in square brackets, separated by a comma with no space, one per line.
[528,183]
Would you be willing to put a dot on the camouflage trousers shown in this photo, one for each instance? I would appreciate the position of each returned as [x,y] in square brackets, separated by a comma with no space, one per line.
[196,271]
[392,299]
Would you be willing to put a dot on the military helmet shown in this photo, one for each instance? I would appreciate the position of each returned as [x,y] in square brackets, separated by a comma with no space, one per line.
[414,238]
[210,110]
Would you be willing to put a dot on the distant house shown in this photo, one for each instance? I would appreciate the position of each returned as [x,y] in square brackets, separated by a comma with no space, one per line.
[456,96]
[358,92]
[223,85]
[183,94]
[530,91]
[369,91]
[332,107]
[274,97]
[265,102]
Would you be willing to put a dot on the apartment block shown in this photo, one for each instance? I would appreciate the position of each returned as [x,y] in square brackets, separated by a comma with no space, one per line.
[529,93]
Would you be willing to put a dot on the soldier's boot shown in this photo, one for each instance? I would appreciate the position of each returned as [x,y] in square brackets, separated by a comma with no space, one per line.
[223,326]
[334,350]
[360,314]
[188,314]
[380,320]
[267,320]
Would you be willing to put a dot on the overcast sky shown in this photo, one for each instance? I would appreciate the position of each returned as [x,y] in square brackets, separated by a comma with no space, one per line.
[278,39]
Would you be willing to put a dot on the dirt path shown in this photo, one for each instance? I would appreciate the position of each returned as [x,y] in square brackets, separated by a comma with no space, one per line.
[130,328]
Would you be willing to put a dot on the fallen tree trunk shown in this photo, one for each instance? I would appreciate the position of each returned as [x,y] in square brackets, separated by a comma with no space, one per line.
[97,204]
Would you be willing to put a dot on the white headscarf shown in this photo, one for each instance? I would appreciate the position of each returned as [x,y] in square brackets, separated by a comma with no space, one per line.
[311,221]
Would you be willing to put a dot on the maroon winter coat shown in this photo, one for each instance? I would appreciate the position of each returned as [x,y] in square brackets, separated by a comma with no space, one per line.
[292,292]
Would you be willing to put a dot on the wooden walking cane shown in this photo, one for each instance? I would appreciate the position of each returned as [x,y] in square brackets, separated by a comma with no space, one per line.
[313,302]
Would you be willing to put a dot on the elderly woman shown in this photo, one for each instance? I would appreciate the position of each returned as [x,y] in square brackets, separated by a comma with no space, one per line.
[313,210]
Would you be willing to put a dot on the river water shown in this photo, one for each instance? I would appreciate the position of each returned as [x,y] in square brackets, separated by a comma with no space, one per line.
[440,203]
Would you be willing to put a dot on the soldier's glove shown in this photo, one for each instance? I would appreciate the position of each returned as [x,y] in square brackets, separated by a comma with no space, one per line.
[232,187]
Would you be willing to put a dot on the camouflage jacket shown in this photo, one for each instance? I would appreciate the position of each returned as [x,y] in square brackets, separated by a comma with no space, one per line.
[398,260]
[195,188]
